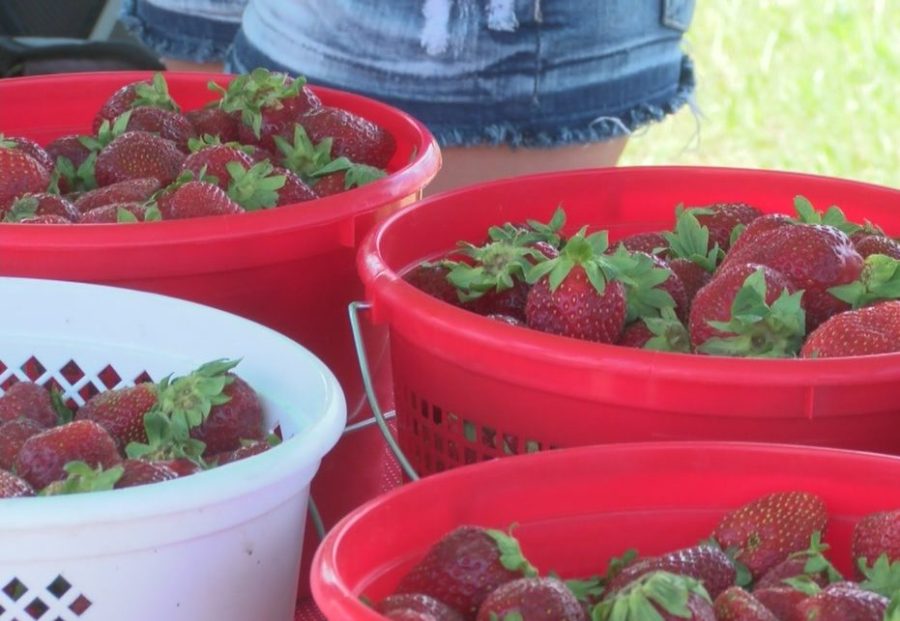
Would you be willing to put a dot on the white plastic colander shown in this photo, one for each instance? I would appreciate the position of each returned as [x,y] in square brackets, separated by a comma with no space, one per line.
[221,545]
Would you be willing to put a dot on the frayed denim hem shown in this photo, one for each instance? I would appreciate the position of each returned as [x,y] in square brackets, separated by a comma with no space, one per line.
[599,129]
[177,35]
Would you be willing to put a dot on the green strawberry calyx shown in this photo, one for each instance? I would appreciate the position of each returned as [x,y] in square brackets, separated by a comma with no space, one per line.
[758,329]
[879,281]
[249,93]
[355,175]
[883,576]
[833,216]
[511,556]
[816,563]
[893,610]
[301,156]
[669,334]
[642,599]
[182,404]
[80,179]
[532,232]
[497,266]
[256,187]
[22,208]
[83,478]
[690,240]
[581,250]
[642,278]
[155,94]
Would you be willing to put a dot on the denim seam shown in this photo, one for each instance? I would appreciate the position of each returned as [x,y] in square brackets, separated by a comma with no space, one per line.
[182,46]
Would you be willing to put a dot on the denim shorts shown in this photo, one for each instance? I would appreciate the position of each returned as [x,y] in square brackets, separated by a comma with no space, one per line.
[531,73]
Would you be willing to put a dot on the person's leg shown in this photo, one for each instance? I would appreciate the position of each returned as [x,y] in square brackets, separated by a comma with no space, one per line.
[173,64]
[468,165]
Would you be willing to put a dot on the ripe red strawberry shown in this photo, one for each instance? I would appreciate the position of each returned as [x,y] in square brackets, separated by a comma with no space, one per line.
[167,124]
[51,218]
[418,604]
[214,159]
[196,199]
[153,92]
[19,174]
[722,218]
[465,566]
[33,149]
[71,168]
[70,147]
[120,213]
[129,191]
[577,299]
[182,467]
[431,278]
[138,155]
[358,139]
[876,534]
[650,243]
[757,229]
[243,452]
[843,601]
[142,472]
[535,599]
[12,486]
[693,277]
[809,566]
[747,310]
[781,601]
[27,400]
[121,411]
[239,418]
[41,204]
[213,121]
[814,258]
[767,530]
[877,244]
[866,331]
[12,436]
[708,564]
[342,175]
[670,596]
[691,255]
[42,457]
[736,604]
[294,189]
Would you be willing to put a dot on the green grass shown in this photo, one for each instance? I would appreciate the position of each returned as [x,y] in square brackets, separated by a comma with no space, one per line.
[805,85]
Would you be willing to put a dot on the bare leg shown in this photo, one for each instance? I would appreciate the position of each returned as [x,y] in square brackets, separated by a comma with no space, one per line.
[183,65]
[467,165]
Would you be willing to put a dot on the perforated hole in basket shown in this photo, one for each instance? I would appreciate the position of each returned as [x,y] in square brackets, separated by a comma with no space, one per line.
[57,601]
[435,439]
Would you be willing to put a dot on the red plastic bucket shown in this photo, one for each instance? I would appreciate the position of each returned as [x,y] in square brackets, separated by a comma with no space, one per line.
[291,268]
[468,388]
[576,508]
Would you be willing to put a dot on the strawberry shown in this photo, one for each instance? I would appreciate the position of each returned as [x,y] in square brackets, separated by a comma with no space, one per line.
[27,400]
[215,122]
[294,189]
[691,256]
[747,310]
[41,204]
[353,137]
[239,417]
[432,279]
[867,331]
[129,191]
[534,599]
[511,321]
[267,103]
[71,147]
[43,456]
[165,123]
[248,449]
[29,146]
[574,294]
[722,218]
[813,257]
[121,213]
[765,531]
[74,163]
[464,567]
[51,218]
[19,174]
[693,277]
[781,601]
[736,604]
[843,601]
[757,229]
[877,244]
[650,243]
[665,333]
[878,281]
[213,160]
[12,436]
[808,566]
[181,466]
[418,604]
[121,411]
[657,595]
[12,486]
[138,155]
[542,236]
[153,92]
[342,175]
[707,564]
[647,278]
[195,199]
[142,472]
[876,534]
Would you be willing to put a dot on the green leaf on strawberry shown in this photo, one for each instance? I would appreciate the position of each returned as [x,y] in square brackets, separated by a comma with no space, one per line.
[804,584]
[511,556]
[80,179]
[533,231]
[582,249]
[833,216]
[256,187]
[879,280]
[589,590]
[497,267]
[63,413]
[642,277]
[643,598]
[882,576]
[816,562]
[302,156]
[249,93]
[893,610]
[82,478]
[775,331]
[690,240]
[669,334]
[155,94]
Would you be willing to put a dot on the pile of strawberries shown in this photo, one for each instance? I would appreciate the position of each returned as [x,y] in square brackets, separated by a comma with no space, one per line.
[146,433]
[267,141]
[726,280]
[764,561]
